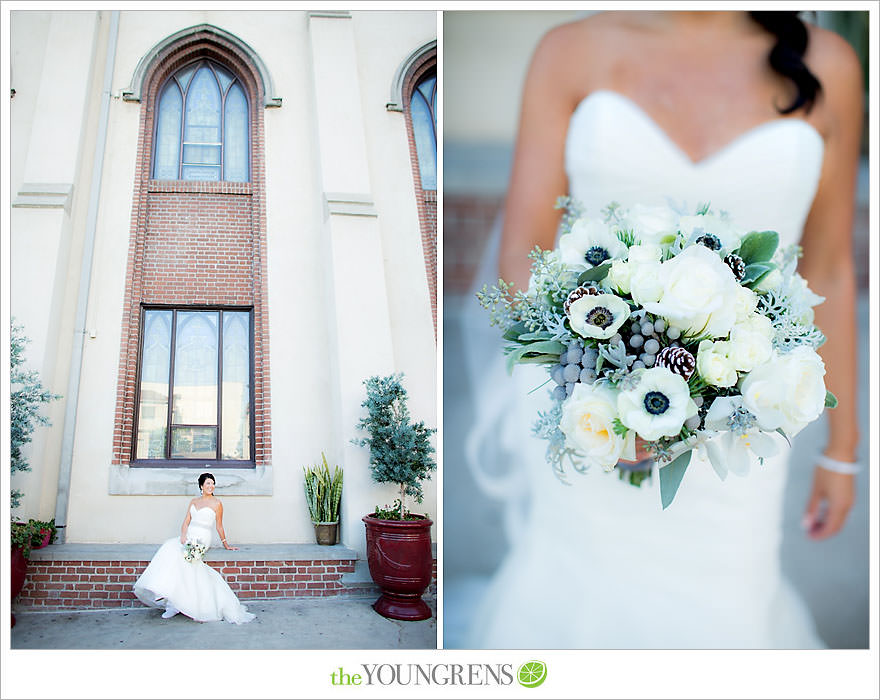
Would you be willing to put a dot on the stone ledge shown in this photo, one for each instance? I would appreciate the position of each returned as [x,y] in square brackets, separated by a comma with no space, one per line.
[145,552]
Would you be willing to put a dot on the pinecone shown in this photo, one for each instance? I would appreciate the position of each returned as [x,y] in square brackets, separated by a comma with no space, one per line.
[577,294]
[737,265]
[677,360]
[710,240]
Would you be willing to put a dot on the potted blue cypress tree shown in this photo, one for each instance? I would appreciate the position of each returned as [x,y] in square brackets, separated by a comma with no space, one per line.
[398,541]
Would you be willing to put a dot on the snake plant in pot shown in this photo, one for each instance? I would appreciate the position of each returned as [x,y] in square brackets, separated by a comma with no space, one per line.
[398,542]
[323,493]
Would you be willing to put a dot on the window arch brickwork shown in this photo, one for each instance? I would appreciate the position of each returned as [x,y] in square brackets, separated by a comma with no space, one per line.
[196,243]
[426,199]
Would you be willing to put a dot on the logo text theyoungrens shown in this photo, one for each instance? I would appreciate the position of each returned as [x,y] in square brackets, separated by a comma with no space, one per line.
[426,674]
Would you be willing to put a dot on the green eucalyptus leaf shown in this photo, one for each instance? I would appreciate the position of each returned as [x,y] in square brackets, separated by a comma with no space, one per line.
[758,246]
[541,347]
[595,274]
[539,360]
[782,433]
[830,400]
[515,331]
[755,272]
[537,335]
[671,476]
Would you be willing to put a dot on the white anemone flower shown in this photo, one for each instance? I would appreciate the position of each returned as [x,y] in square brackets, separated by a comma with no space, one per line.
[597,315]
[658,404]
[590,243]
[719,231]
[740,436]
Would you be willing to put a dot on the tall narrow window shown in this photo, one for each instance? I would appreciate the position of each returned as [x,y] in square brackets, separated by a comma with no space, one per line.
[202,126]
[422,106]
[195,386]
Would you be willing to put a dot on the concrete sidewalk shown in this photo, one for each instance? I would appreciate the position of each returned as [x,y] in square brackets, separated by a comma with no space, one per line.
[348,623]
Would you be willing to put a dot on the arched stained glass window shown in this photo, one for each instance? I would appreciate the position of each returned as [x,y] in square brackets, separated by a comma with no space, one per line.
[202,126]
[422,108]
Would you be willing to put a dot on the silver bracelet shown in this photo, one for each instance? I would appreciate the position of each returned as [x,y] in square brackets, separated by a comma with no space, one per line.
[835,465]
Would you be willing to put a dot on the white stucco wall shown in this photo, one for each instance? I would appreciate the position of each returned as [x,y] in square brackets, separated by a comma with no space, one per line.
[53,55]
[302,297]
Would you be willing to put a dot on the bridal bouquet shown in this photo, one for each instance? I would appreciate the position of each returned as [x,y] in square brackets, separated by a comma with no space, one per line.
[194,551]
[668,327]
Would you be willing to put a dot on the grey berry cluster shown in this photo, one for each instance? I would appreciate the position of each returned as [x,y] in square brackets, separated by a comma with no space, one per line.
[647,337]
[576,364]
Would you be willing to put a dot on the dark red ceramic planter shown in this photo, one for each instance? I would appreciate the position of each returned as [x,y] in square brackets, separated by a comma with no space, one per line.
[399,555]
[18,565]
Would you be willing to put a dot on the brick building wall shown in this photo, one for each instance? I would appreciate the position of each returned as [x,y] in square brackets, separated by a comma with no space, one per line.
[426,200]
[196,243]
[92,584]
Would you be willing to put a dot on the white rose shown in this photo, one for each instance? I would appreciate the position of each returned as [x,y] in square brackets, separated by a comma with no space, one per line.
[746,302]
[652,224]
[787,391]
[621,273]
[645,253]
[618,276]
[714,363]
[657,405]
[589,243]
[751,342]
[645,284]
[699,292]
[597,315]
[588,424]
[723,229]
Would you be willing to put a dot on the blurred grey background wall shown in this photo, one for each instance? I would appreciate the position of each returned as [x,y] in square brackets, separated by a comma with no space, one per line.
[485,58]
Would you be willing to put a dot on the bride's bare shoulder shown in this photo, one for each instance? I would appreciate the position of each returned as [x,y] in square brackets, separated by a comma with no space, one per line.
[831,57]
[573,55]
[835,63]
[588,35]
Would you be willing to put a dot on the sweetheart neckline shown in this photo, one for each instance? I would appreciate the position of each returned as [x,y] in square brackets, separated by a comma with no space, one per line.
[637,109]
[192,505]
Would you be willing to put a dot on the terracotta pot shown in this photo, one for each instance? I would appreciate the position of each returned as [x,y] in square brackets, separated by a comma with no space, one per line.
[325,533]
[18,565]
[399,556]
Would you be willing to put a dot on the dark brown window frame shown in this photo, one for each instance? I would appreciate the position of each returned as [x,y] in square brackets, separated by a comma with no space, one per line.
[189,462]
[210,62]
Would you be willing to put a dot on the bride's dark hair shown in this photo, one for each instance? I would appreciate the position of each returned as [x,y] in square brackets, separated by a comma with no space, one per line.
[787,57]
[204,477]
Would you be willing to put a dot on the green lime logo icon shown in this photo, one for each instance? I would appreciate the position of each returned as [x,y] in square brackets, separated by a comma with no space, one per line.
[532,673]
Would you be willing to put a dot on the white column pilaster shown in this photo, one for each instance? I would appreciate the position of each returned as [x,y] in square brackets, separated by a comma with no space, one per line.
[359,320]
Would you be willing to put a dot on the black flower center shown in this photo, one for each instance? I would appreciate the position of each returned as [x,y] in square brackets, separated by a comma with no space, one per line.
[600,316]
[710,240]
[596,255]
[656,403]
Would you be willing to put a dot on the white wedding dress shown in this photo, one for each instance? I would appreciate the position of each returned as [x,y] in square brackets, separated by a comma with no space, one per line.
[193,588]
[597,563]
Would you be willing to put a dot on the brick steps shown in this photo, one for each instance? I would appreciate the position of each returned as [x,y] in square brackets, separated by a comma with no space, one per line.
[89,576]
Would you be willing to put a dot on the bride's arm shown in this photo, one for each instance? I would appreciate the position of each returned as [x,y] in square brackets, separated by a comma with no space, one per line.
[538,175]
[220,531]
[186,523]
[827,265]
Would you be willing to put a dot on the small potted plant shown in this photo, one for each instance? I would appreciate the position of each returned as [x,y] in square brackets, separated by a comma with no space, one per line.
[44,532]
[398,541]
[323,493]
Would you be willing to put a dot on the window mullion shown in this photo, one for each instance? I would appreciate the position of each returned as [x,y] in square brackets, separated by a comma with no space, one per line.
[182,133]
[171,383]
[220,386]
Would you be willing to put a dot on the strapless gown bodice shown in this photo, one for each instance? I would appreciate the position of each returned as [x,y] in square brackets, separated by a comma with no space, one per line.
[201,525]
[765,178]
[596,562]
